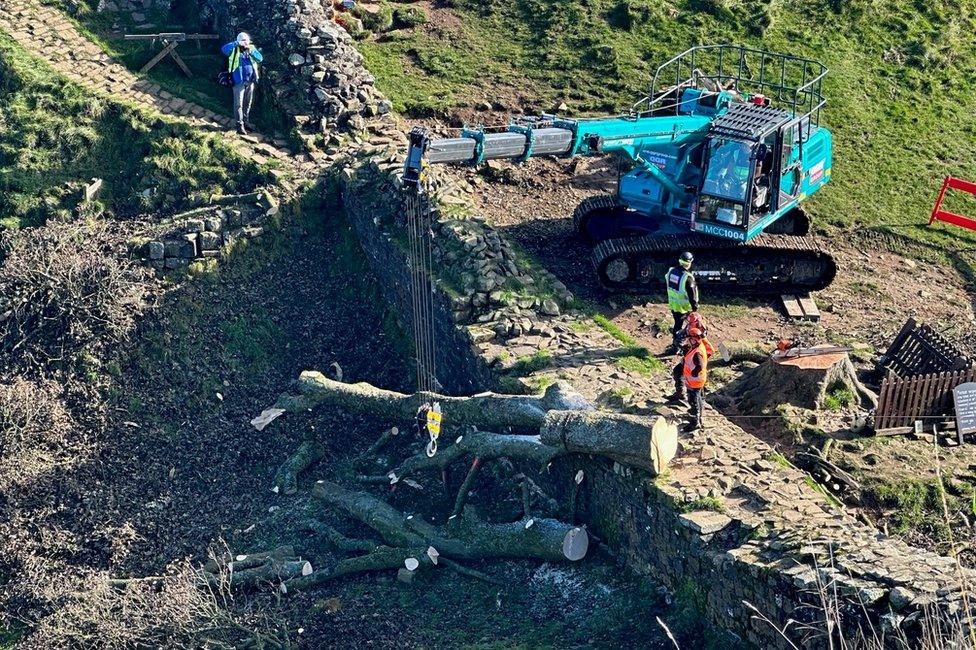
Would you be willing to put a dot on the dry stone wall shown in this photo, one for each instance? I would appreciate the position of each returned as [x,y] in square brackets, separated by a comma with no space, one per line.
[374,207]
[208,232]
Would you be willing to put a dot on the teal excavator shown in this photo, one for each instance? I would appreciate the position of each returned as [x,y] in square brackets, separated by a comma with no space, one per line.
[721,154]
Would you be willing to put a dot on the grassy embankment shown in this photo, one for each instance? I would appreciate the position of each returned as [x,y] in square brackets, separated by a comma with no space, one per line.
[55,136]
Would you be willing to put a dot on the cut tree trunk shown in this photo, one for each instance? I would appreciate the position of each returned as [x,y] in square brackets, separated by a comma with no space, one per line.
[564,421]
[802,381]
[465,537]
[647,443]
[488,411]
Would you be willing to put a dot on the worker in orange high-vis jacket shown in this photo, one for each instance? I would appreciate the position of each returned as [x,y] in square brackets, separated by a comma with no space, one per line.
[694,374]
[694,320]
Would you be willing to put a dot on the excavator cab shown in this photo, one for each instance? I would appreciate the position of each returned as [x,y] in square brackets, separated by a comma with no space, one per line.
[753,170]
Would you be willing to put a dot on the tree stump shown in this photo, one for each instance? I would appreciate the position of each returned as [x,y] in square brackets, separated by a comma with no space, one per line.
[802,381]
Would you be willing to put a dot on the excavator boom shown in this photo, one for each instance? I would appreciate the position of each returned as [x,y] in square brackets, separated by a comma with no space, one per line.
[548,135]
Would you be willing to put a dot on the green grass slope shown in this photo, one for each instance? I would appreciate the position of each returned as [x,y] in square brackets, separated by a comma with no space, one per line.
[54,135]
[900,89]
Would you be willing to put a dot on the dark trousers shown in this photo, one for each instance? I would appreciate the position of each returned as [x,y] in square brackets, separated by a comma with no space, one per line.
[695,396]
[696,400]
[677,375]
[679,324]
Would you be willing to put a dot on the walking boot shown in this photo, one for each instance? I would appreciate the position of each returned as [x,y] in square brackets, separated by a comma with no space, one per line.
[677,398]
[240,128]
[692,427]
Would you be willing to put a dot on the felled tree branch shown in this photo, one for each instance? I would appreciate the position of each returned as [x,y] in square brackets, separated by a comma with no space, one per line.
[308,453]
[465,537]
[488,411]
[273,566]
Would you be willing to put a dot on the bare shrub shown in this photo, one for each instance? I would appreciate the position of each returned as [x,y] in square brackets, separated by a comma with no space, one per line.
[66,288]
[177,610]
[37,433]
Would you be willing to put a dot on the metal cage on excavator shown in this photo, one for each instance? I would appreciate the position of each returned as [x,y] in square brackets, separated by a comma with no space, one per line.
[794,83]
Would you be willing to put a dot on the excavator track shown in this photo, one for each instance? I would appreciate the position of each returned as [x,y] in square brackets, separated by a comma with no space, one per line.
[603,216]
[768,264]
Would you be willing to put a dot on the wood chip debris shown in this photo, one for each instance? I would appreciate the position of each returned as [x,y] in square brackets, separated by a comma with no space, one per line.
[267,416]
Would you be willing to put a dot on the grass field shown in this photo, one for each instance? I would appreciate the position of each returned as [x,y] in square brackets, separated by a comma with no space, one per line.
[900,87]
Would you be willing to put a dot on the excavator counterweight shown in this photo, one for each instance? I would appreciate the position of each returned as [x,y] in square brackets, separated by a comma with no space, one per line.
[720,162]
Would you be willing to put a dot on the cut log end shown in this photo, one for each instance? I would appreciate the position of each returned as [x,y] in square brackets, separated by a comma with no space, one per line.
[664,444]
[575,544]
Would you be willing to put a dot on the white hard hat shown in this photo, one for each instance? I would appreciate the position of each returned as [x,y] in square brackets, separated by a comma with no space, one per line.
[243,38]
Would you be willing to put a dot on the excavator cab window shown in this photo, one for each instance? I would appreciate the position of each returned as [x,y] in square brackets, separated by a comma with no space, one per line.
[721,211]
[761,187]
[726,187]
[729,169]
[790,155]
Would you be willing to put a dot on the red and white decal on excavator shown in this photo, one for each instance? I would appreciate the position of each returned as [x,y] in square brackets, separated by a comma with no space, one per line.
[816,172]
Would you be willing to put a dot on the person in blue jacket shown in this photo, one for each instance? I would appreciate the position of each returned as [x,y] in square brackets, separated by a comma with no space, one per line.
[242,63]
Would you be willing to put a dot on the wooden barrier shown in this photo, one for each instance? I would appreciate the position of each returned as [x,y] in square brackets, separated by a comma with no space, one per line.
[919,350]
[903,400]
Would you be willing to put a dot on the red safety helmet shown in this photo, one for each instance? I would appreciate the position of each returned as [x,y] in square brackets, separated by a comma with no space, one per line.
[695,333]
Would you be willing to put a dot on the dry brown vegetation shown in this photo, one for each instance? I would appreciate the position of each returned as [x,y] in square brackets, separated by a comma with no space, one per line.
[67,294]
[70,296]
[177,610]
[37,432]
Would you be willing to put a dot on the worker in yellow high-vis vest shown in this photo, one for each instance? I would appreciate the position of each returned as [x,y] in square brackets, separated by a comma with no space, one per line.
[242,63]
[682,296]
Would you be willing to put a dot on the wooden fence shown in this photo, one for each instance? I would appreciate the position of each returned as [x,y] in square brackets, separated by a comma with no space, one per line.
[920,350]
[903,400]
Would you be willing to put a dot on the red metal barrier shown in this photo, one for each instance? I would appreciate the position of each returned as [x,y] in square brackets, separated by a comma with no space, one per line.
[938,214]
